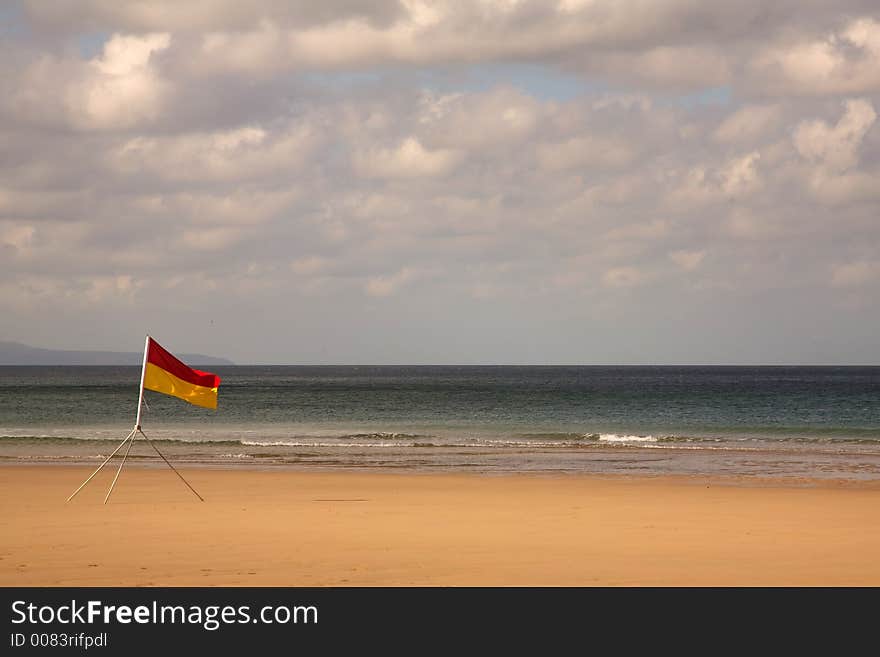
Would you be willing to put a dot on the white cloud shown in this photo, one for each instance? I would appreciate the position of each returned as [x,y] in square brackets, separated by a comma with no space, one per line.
[845,188]
[735,178]
[198,15]
[741,175]
[855,273]
[684,66]
[123,87]
[843,61]
[659,44]
[407,160]
[235,207]
[120,89]
[102,288]
[385,286]
[498,118]
[687,260]
[836,147]
[832,152]
[623,277]
[585,152]
[748,123]
[258,50]
[650,230]
[211,239]
[15,235]
[309,265]
[746,224]
[242,153]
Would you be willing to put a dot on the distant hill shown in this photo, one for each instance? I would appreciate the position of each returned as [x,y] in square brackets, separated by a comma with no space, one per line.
[15,353]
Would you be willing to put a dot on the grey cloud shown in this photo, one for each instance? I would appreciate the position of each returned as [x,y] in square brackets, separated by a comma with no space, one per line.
[200,15]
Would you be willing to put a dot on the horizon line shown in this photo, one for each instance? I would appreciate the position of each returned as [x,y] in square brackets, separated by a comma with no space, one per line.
[555,364]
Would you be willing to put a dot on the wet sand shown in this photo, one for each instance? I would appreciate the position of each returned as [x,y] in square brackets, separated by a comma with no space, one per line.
[290,528]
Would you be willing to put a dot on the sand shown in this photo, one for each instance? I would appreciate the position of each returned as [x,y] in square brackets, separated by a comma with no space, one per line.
[288,528]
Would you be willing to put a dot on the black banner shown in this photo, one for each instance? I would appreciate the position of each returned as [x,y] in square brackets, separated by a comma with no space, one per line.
[117,620]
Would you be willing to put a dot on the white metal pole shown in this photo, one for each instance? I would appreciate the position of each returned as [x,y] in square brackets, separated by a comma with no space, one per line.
[100,467]
[137,422]
[131,436]
[119,471]
[168,463]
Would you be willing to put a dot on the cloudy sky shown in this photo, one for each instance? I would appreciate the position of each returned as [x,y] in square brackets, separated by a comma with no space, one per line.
[462,181]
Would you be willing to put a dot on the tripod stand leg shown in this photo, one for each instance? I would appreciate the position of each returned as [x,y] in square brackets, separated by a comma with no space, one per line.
[119,471]
[169,465]
[106,461]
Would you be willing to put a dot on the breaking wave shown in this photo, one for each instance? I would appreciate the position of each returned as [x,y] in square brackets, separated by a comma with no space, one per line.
[465,439]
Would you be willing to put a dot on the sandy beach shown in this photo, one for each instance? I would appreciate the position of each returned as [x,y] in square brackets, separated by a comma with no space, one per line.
[290,528]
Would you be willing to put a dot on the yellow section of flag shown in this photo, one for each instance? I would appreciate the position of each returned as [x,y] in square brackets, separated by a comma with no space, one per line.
[159,380]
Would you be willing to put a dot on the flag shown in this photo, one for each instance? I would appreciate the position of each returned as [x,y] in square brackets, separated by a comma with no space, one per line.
[166,374]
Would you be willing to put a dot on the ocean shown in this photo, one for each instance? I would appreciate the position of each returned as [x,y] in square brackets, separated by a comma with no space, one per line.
[768,422]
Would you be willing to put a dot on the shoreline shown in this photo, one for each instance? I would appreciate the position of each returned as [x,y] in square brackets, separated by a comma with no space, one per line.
[729,480]
[284,527]
[857,466]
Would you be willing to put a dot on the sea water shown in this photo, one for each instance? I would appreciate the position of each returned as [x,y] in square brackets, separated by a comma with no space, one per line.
[795,422]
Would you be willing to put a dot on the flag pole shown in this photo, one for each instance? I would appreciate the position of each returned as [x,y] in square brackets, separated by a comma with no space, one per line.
[137,422]
[131,436]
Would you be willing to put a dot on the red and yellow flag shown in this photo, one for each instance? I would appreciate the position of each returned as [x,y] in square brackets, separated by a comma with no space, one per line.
[166,374]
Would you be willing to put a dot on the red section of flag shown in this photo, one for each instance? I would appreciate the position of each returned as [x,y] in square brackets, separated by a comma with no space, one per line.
[157,355]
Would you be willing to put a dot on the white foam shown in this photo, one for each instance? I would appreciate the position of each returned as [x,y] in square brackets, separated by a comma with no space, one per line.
[292,443]
[614,438]
[276,443]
